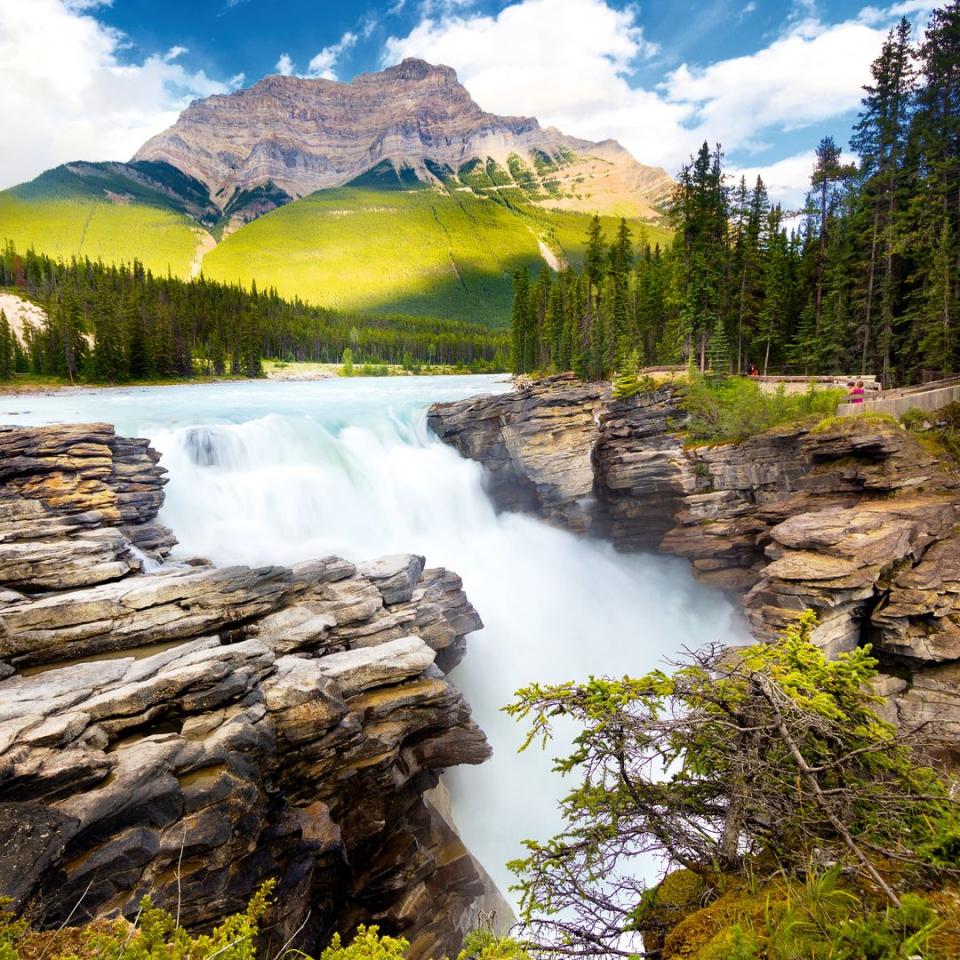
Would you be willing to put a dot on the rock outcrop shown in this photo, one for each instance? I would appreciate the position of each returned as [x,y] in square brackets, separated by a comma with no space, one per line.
[852,517]
[190,731]
[287,137]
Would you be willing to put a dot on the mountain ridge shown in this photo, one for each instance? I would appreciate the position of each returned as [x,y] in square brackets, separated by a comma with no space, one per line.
[308,134]
[394,192]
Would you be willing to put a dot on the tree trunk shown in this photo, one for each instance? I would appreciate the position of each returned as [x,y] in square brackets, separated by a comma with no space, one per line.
[870,282]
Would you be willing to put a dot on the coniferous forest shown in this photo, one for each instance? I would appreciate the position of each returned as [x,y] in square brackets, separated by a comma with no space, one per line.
[113,324]
[864,279]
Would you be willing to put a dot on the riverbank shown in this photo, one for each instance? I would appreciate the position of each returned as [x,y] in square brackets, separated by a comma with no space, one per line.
[25,384]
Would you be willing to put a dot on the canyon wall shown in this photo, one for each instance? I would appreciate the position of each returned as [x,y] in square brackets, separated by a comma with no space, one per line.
[852,517]
[188,731]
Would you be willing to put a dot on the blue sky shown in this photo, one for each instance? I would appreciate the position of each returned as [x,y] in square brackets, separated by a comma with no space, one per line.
[87,79]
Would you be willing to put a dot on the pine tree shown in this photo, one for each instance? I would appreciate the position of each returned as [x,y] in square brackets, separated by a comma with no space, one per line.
[554,324]
[775,284]
[627,383]
[68,344]
[934,211]
[822,201]
[718,349]
[594,269]
[218,354]
[621,264]
[521,325]
[109,360]
[700,215]
[539,308]
[7,357]
[137,346]
[937,347]
[880,138]
[749,256]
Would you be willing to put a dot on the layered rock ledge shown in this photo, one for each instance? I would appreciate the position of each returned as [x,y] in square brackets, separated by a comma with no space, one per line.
[852,517]
[191,731]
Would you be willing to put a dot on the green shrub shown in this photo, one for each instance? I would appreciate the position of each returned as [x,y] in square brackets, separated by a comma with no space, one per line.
[155,934]
[484,944]
[949,416]
[367,944]
[735,408]
[898,933]
[628,384]
[914,420]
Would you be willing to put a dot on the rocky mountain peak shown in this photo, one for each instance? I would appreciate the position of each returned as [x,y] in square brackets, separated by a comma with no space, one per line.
[296,135]
[415,69]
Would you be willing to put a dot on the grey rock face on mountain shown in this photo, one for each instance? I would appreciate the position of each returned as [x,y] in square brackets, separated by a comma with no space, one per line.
[190,732]
[854,519]
[303,135]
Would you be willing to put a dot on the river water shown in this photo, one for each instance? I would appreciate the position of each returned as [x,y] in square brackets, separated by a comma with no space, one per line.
[268,472]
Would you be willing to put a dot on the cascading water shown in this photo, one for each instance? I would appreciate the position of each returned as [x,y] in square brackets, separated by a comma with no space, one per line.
[276,473]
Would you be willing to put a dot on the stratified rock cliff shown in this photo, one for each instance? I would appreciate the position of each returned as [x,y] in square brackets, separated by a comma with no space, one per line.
[192,731]
[853,519]
[306,134]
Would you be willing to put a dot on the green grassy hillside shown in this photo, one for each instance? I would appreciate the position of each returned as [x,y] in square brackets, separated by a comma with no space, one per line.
[417,251]
[100,215]
[386,243]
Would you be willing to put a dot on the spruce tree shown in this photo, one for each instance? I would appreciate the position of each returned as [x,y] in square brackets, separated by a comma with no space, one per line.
[621,264]
[109,360]
[940,312]
[554,324]
[880,139]
[594,269]
[627,383]
[7,358]
[521,325]
[718,349]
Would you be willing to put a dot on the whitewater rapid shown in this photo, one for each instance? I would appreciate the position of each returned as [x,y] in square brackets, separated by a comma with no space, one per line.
[277,473]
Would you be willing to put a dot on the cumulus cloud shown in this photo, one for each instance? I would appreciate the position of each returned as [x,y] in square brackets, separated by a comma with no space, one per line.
[284,65]
[787,180]
[68,96]
[528,60]
[322,65]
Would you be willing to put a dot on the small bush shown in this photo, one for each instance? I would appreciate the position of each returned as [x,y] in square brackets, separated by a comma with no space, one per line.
[914,420]
[736,408]
[486,945]
[949,416]
[367,944]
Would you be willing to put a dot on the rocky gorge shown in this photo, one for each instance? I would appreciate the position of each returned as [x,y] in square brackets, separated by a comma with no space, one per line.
[851,517]
[172,727]
[188,731]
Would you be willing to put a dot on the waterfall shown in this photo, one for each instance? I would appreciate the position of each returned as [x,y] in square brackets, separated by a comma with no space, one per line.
[267,473]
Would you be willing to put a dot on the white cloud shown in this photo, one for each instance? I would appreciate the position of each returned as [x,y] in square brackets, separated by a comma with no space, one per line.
[284,65]
[786,180]
[569,63]
[748,8]
[322,65]
[67,96]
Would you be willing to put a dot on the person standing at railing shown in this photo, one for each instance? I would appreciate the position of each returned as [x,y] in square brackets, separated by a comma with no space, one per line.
[856,392]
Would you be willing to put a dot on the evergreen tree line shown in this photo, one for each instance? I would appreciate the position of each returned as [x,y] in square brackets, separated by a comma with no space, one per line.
[865,278]
[118,323]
